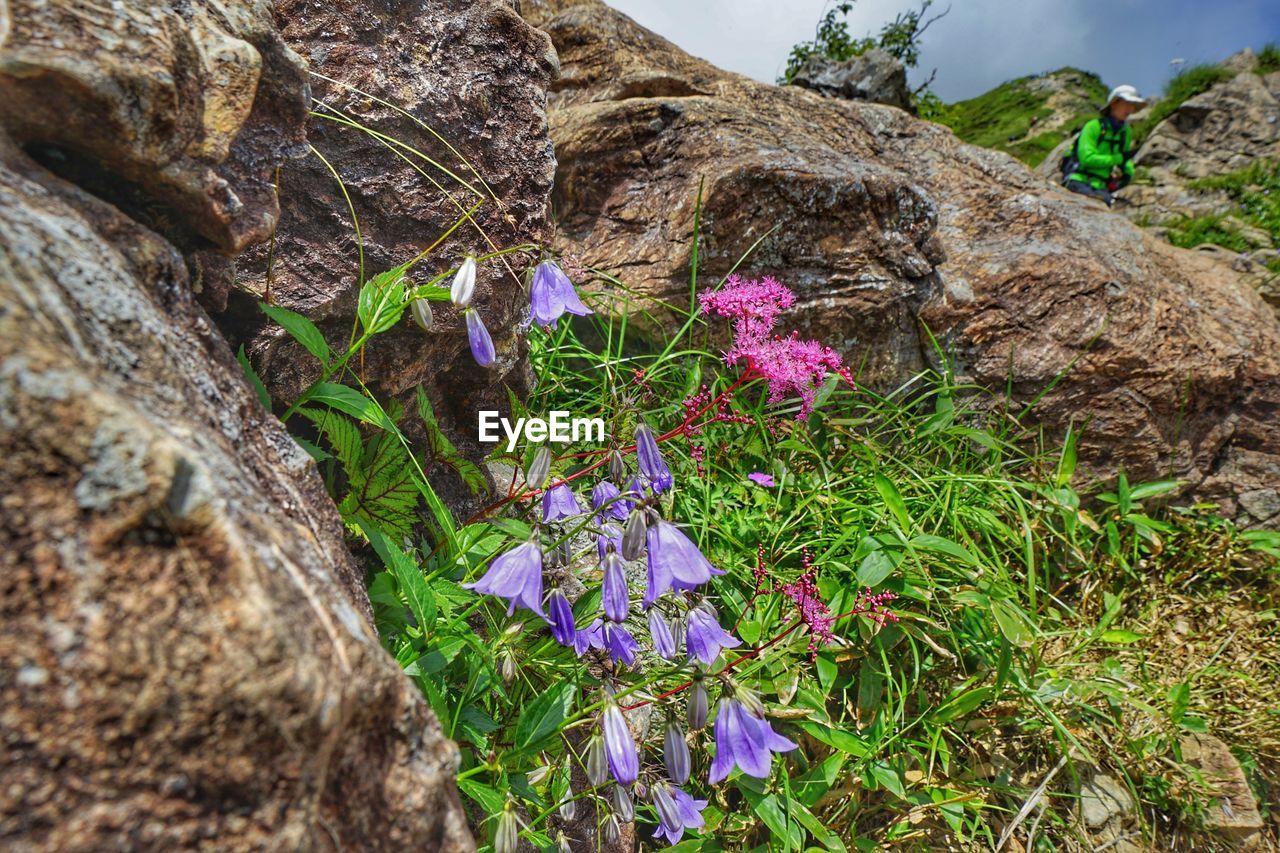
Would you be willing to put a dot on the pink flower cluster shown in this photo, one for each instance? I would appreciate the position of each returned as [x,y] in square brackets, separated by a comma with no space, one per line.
[790,366]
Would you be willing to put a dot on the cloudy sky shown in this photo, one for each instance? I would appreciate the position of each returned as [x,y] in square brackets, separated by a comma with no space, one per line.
[981,43]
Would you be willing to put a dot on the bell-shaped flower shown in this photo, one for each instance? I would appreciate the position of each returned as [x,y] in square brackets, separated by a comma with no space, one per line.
[610,536]
[614,589]
[560,615]
[590,637]
[633,538]
[652,465]
[618,641]
[516,576]
[660,632]
[623,806]
[536,476]
[744,739]
[675,753]
[703,636]
[478,337]
[619,746]
[677,811]
[552,294]
[422,313]
[606,495]
[464,283]
[559,503]
[674,561]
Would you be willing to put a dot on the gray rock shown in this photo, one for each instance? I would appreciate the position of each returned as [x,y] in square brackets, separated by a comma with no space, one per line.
[875,76]
[1103,798]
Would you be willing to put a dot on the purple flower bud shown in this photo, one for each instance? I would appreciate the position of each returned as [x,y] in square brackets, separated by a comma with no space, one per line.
[677,811]
[704,638]
[559,502]
[478,337]
[536,476]
[673,561]
[745,740]
[623,806]
[621,645]
[619,746]
[660,632]
[606,494]
[464,283]
[633,537]
[675,753]
[617,470]
[651,463]
[611,536]
[614,588]
[560,615]
[517,576]
[698,704]
[596,764]
[552,294]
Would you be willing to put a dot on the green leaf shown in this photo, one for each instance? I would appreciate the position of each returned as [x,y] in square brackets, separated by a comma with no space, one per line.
[1011,623]
[342,435]
[263,397]
[893,500]
[1179,701]
[444,451]
[350,401]
[382,301]
[875,567]
[944,546]
[771,813]
[490,800]
[1067,464]
[961,704]
[544,715]
[301,330]
[1119,637]
[413,585]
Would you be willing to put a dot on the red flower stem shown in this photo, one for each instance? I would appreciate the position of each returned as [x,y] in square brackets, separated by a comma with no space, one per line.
[754,653]
[680,430]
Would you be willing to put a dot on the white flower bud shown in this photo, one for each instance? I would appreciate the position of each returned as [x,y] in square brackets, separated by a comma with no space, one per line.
[422,314]
[464,283]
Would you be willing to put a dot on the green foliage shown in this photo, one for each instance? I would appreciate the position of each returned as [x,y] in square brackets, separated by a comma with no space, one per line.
[1005,118]
[1255,195]
[1186,84]
[1268,59]
[899,37]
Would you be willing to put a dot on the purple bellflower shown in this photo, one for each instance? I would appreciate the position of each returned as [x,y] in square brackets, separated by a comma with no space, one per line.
[552,294]
[744,739]
[614,589]
[621,645]
[478,337]
[675,753]
[611,535]
[606,494]
[517,576]
[677,811]
[558,503]
[652,464]
[660,632]
[704,638]
[619,746]
[674,561]
[590,637]
[560,615]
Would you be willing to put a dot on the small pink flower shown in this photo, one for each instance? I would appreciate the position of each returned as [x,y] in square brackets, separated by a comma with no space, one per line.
[761,479]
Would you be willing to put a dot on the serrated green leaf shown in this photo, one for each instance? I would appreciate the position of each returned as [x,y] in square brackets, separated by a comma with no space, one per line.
[544,715]
[382,301]
[444,451]
[301,330]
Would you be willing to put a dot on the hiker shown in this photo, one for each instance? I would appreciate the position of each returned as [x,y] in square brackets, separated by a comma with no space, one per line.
[1101,161]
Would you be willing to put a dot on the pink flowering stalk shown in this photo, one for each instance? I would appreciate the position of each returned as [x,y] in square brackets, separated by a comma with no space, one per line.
[790,366]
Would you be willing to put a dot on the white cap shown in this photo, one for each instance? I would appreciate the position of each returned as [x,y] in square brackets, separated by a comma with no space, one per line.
[1126,93]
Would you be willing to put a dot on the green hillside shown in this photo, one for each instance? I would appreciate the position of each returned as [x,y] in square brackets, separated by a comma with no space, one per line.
[1029,116]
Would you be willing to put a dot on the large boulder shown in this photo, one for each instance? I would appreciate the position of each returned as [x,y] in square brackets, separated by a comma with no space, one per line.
[877,76]
[186,659]
[885,224]
[454,96]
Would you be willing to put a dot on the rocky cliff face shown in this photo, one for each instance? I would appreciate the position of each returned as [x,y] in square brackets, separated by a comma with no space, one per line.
[453,96]
[185,656]
[883,224]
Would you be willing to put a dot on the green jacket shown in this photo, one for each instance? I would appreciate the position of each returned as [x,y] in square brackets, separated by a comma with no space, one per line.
[1102,145]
